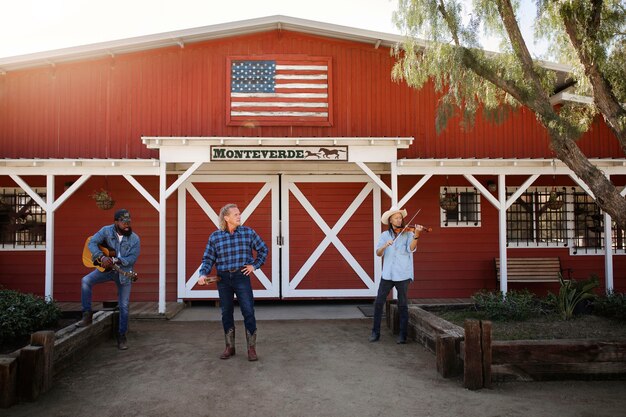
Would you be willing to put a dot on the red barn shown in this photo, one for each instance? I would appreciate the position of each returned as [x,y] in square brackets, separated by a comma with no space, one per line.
[300,124]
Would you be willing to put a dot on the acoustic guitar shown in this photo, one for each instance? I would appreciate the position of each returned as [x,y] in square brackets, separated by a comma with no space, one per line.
[87,261]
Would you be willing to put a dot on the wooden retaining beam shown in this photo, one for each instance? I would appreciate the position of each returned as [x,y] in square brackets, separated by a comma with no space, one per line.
[560,359]
[28,372]
[45,339]
[477,354]
[8,381]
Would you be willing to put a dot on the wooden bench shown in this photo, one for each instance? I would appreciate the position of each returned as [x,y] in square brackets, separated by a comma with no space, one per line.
[531,269]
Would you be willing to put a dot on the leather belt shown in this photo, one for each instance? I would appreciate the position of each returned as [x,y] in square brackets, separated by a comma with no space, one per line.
[234,270]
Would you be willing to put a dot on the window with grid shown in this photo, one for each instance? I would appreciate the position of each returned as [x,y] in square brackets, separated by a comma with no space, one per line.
[589,227]
[22,220]
[537,218]
[460,207]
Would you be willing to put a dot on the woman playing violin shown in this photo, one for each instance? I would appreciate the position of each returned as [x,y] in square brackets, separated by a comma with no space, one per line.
[396,245]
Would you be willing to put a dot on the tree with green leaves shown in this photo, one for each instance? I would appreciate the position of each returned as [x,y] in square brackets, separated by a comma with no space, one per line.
[589,35]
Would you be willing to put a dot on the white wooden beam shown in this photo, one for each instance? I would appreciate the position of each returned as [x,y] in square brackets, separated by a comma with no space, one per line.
[31,193]
[142,191]
[162,235]
[414,190]
[182,178]
[49,286]
[68,193]
[376,179]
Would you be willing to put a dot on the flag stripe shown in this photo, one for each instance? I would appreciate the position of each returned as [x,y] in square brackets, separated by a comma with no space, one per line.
[281,89]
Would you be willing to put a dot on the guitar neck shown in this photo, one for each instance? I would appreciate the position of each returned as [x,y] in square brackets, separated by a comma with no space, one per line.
[128,274]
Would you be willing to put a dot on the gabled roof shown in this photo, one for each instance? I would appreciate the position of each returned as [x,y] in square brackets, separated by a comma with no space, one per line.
[187,36]
[223,30]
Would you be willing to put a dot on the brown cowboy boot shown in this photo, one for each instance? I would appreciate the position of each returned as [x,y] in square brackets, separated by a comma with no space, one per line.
[122,342]
[251,339]
[229,351]
[86,320]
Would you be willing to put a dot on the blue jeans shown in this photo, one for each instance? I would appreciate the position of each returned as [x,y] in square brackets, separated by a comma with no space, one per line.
[403,308]
[123,293]
[231,284]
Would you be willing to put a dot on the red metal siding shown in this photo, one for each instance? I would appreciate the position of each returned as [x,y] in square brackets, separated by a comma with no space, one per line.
[101,108]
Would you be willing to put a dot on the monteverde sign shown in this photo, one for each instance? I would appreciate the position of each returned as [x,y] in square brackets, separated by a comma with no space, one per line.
[279,153]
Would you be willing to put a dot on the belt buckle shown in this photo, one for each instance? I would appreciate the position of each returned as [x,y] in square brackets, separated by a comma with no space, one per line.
[233,270]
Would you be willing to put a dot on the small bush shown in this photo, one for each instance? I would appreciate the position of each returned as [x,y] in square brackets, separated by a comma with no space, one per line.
[22,314]
[573,292]
[613,306]
[517,305]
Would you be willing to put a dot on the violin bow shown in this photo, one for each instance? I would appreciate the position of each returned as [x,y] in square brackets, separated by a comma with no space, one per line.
[405,226]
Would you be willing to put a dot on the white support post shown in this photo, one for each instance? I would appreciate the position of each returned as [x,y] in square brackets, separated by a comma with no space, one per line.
[377,227]
[502,232]
[608,250]
[394,184]
[49,286]
[608,253]
[162,240]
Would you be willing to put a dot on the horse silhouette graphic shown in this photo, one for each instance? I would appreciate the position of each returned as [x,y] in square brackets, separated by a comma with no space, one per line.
[327,153]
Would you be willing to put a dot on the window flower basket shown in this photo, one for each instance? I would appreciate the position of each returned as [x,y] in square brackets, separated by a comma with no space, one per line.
[448,201]
[104,201]
[554,202]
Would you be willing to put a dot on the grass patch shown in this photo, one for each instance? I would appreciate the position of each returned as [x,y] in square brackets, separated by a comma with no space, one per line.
[548,326]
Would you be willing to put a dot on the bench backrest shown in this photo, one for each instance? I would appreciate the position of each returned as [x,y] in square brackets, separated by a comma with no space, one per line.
[531,269]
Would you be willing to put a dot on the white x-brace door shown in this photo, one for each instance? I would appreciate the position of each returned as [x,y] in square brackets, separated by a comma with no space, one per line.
[187,280]
[291,281]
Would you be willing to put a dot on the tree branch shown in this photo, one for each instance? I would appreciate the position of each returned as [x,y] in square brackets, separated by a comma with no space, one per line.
[603,97]
[505,9]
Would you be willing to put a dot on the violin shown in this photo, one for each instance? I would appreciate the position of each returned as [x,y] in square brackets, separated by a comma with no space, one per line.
[411,229]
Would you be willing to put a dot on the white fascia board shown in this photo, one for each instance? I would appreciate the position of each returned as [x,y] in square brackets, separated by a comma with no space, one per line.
[574,98]
[204,33]
[79,166]
[500,166]
[160,142]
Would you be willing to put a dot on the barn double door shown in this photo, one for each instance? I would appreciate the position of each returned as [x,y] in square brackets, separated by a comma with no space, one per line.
[320,231]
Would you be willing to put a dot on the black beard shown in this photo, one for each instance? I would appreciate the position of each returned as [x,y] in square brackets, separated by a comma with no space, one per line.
[124,232]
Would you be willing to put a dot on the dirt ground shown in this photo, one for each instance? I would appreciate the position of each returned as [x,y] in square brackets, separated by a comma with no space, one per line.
[306,368]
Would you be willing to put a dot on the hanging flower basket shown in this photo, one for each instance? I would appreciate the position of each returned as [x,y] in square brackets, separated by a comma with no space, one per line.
[448,202]
[104,201]
[554,202]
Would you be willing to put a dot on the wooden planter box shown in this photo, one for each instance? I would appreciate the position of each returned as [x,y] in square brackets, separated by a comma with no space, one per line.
[482,360]
[29,371]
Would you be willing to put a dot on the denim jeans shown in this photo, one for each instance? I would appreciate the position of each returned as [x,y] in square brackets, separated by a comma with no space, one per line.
[403,308]
[123,293]
[231,284]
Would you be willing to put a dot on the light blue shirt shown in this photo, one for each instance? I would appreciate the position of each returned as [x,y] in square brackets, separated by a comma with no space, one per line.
[397,258]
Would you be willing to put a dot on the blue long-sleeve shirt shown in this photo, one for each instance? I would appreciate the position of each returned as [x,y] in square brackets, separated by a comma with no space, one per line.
[397,258]
[230,251]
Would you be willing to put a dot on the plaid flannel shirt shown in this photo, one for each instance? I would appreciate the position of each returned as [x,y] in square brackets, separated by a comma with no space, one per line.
[231,251]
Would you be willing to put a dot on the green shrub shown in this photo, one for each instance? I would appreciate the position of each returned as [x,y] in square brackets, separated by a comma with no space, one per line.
[573,292]
[613,306]
[517,305]
[22,314]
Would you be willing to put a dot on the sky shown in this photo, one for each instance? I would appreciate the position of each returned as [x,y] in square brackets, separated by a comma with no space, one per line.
[29,26]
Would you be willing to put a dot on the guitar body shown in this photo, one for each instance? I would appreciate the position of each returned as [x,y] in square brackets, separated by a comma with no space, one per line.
[87,256]
[87,261]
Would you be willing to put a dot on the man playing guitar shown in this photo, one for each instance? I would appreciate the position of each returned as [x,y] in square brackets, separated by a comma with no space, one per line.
[119,239]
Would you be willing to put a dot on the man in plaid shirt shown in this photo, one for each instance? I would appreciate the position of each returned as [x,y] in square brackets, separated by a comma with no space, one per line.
[230,250]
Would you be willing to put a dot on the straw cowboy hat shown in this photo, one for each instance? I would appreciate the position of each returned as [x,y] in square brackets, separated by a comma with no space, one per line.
[386,215]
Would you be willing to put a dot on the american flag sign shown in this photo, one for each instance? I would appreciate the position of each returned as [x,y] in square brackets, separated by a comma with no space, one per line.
[291,91]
